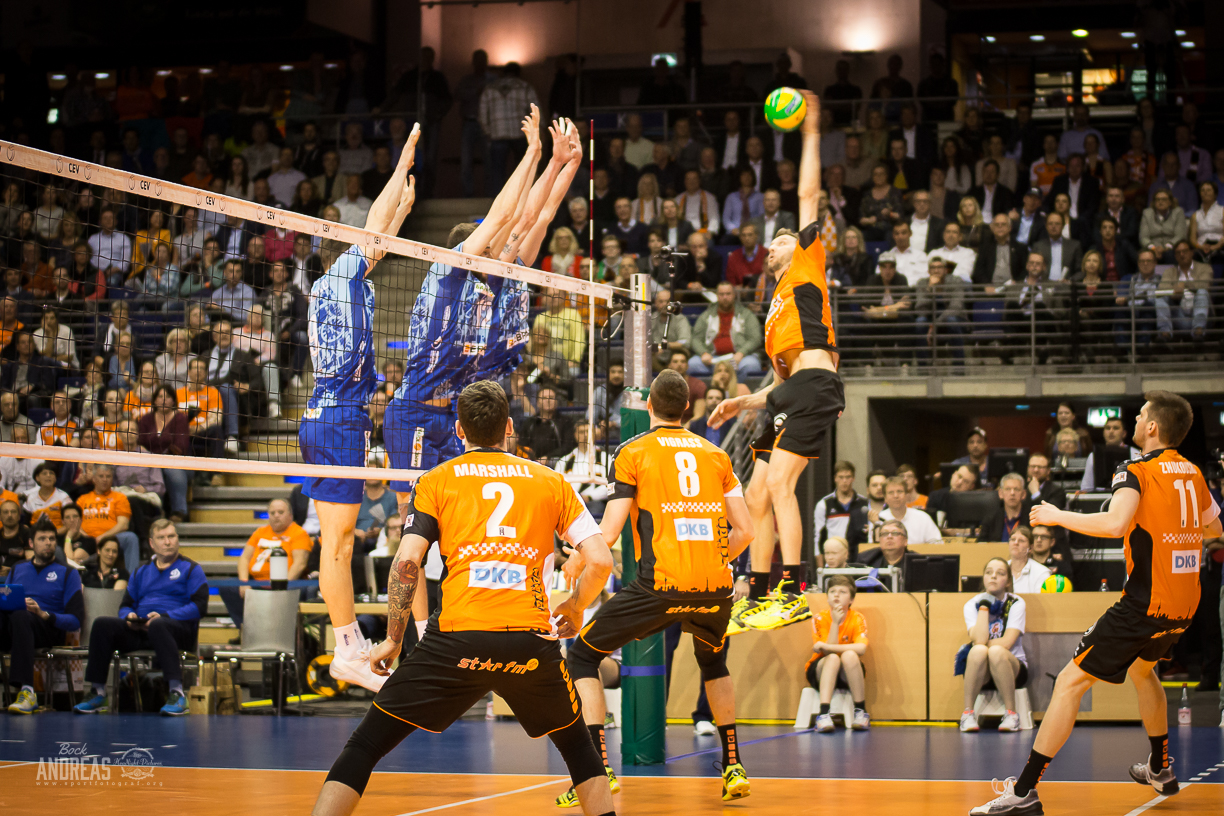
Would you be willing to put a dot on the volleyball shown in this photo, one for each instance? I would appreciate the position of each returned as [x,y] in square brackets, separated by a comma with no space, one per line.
[318,677]
[785,109]
[1056,583]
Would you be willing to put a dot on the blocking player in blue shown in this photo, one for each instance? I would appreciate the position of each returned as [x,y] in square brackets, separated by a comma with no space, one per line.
[335,429]
[448,329]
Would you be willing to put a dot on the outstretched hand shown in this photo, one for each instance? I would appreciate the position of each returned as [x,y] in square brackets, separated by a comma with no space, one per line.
[560,141]
[727,409]
[575,142]
[1044,514]
[531,128]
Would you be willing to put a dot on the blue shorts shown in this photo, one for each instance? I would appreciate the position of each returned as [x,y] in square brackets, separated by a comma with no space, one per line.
[335,436]
[418,438]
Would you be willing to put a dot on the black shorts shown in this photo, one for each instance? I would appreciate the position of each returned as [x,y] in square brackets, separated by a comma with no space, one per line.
[634,613]
[1021,679]
[448,672]
[801,412]
[813,675]
[1120,637]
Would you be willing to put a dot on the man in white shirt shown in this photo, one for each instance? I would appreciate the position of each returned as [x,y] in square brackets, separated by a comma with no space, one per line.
[260,154]
[911,262]
[755,159]
[918,525]
[922,221]
[354,207]
[639,151]
[1027,574]
[773,219]
[953,253]
[112,251]
[697,206]
[731,156]
[284,178]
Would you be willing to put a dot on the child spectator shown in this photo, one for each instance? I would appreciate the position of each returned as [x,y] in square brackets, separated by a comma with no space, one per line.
[836,553]
[837,662]
[994,657]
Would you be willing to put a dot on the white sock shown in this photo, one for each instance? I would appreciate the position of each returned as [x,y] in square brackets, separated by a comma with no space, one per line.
[348,640]
[176,687]
[420,627]
[99,688]
[28,688]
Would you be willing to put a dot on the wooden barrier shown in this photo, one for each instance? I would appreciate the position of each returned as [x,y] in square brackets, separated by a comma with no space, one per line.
[768,666]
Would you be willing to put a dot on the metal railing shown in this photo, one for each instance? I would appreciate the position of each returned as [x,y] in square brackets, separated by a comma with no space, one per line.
[1107,328]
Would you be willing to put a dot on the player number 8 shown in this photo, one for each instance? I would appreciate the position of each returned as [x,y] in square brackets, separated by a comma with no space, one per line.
[690,482]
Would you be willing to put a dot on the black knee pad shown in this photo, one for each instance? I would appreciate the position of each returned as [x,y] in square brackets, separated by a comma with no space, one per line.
[583,661]
[713,664]
[581,757]
[374,738]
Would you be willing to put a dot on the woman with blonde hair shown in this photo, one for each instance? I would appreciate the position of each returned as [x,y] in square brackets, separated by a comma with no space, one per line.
[563,257]
[172,364]
[969,216]
[724,378]
[256,338]
[851,263]
[648,205]
[55,340]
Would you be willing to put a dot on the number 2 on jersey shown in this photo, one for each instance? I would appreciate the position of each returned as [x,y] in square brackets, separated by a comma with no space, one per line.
[1183,487]
[505,498]
[690,482]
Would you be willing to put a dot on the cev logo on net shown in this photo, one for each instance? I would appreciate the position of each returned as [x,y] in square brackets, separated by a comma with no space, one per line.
[497,575]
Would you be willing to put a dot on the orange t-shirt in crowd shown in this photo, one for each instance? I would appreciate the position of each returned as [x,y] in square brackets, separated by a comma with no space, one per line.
[208,400]
[8,495]
[265,540]
[800,316]
[6,335]
[108,433]
[135,407]
[52,432]
[853,629]
[920,502]
[101,513]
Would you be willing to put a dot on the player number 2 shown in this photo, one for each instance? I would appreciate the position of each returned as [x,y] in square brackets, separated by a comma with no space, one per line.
[1184,487]
[690,482]
[505,498]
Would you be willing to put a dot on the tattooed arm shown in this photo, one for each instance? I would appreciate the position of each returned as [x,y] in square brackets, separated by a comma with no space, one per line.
[401,586]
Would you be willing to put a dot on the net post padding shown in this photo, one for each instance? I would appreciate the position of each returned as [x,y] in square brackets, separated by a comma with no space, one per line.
[143,186]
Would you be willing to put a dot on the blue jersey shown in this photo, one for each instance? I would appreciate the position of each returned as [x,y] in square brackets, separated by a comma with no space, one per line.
[508,334]
[447,332]
[341,319]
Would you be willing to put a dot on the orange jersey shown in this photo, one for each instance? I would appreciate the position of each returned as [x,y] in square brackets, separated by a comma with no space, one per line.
[679,483]
[100,513]
[265,540]
[108,433]
[52,432]
[494,516]
[799,316]
[9,496]
[135,407]
[920,502]
[1165,540]
[207,400]
[853,629]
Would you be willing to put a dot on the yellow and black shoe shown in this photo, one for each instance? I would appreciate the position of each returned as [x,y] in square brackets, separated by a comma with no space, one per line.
[735,783]
[783,611]
[569,799]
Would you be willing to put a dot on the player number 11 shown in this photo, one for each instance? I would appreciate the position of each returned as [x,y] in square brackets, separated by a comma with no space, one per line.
[1182,488]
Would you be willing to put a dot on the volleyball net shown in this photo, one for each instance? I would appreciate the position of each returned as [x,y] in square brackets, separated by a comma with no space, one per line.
[154,324]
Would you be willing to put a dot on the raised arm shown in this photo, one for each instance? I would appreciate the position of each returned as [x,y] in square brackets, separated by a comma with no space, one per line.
[502,211]
[531,243]
[1111,523]
[393,204]
[809,163]
[540,193]
[533,145]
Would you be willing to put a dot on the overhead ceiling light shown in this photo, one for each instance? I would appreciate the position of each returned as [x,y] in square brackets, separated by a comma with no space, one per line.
[286,67]
[1037,37]
[101,75]
[990,39]
[331,65]
[1180,32]
[205,70]
[163,73]
[58,77]
[1188,44]
[1079,32]
[1128,35]
[1134,45]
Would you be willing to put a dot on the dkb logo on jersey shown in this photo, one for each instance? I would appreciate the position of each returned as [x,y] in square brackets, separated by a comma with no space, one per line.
[1185,561]
[497,575]
[694,529]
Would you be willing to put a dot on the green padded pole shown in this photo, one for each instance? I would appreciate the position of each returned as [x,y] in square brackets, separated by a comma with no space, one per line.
[643,689]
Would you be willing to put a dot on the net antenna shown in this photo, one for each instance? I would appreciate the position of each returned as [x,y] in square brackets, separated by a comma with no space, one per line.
[148,193]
